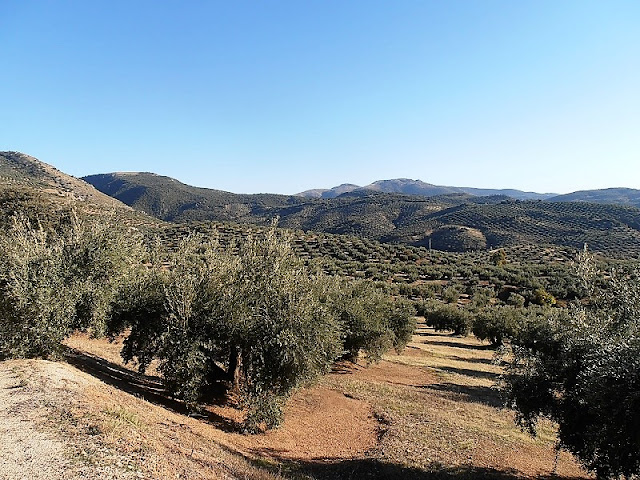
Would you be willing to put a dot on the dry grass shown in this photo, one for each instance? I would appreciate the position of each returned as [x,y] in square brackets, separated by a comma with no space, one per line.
[450,417]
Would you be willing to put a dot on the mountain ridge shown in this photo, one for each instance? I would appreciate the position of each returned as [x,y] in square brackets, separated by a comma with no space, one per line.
[408,186]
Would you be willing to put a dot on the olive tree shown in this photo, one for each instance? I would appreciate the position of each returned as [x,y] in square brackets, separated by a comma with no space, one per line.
[581,368]
[57,278]
[258,322]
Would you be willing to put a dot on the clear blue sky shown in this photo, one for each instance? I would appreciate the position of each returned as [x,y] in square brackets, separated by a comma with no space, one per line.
[283,96]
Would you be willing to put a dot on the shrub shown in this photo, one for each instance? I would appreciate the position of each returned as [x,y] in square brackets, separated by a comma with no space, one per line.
[496,324]
[362,311]
[451,294]
[402,322]
[516,300]
[542,297]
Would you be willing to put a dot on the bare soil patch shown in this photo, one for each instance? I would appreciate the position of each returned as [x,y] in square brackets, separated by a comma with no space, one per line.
[320,424]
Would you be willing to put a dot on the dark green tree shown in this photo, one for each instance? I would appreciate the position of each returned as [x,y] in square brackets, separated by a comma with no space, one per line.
[581,368]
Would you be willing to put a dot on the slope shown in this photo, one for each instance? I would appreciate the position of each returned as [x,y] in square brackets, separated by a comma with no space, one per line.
[615,196]
[171,200]
[40,190]
[430,412]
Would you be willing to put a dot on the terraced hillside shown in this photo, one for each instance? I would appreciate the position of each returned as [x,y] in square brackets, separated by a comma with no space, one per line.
[615,196]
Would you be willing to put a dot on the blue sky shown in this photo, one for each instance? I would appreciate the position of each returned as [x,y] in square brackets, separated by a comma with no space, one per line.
[283,96]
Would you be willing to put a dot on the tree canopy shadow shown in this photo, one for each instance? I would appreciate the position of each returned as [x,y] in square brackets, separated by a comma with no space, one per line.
[372,468]
[466,346]
[484,361]
[477,394]
[148,387]
[470,372]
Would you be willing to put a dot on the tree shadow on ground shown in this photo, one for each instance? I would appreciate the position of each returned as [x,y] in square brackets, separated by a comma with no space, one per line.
[371,468]
[477,394]
[148,387]
[484,361]
[470,373]
[344,367]
[466,346]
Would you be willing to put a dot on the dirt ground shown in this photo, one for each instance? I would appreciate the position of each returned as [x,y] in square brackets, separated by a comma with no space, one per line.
[431,412]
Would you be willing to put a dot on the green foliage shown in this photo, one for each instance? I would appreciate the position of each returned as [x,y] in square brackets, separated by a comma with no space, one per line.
[581,368]
[258,321]
[36,303]
[497,323]
[482,297]
[281,322]
[401,321]
[371,321]
[449,318]
[499,257]
[516,300]
[55,281]
[542,297]
[361,309]
[451,294]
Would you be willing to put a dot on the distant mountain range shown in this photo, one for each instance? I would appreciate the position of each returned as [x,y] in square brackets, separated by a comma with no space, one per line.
[407,186]
[454,221]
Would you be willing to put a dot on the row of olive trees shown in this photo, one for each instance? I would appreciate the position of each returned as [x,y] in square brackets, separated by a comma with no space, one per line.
[579,366]
[259,321]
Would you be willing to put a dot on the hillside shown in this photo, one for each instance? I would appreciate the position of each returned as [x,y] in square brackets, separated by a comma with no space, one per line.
[406,186]
[614,196]
[171,200]
[36,188]
[453,222]
[20,170]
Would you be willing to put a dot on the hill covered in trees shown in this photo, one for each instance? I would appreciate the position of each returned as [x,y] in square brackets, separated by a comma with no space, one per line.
[614,196]
[453,222]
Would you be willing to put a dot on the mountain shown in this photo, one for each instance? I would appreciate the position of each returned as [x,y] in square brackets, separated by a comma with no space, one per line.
[407,186]
[615,196]
[329,193]
[454,221]
[41,190]
[168,199]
